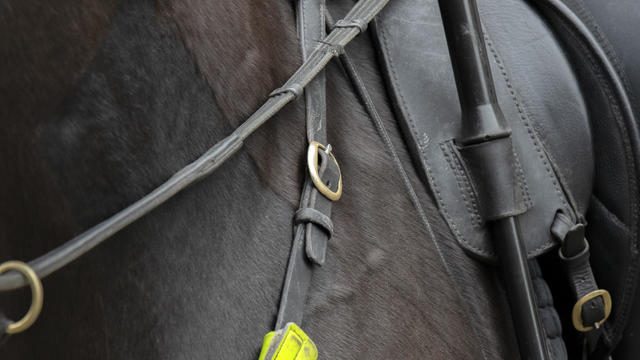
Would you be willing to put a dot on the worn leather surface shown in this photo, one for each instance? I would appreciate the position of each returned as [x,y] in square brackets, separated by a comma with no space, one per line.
[546,112]
[616,24]
[311,28]
[613,215]
[574,130]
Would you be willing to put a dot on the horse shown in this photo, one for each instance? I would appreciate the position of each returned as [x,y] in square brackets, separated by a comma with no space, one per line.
[104,101]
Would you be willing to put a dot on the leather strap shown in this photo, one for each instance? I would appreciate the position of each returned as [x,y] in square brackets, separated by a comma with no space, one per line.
[300,267]
[313,227]
[311,215]
[574,253]
[312,30]
[4,324]
[363,11]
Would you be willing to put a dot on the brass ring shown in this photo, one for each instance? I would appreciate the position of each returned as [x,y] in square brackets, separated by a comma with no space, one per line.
[36,295]
[312,163]
[576,314]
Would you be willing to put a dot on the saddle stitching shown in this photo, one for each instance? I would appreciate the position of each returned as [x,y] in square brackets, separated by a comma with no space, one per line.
[524,188]
[616,112]
[622,309]
[463,181]
[526,122]
[427,166]
[613,218]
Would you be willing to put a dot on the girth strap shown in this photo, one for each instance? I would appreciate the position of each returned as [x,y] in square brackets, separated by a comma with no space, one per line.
[593,305]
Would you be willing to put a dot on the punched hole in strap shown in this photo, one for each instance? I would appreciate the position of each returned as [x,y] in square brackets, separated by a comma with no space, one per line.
[311,215]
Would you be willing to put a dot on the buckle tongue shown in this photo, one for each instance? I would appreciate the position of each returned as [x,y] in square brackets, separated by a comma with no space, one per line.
[289,343]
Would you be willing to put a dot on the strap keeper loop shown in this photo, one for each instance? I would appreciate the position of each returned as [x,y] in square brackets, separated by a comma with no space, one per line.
[352,23]
[311,215]
[296,89]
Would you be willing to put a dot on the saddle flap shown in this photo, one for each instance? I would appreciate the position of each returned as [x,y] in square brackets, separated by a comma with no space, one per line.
[547,114]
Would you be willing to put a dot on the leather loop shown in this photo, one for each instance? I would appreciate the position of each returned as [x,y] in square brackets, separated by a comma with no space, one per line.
[492,167]
[311,215]
[570,235]
[356,23]
[295,89]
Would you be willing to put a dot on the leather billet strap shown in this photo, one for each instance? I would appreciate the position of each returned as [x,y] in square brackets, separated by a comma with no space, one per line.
[313,226]
[593,305]
[311,30]
[363,11]
[301,266]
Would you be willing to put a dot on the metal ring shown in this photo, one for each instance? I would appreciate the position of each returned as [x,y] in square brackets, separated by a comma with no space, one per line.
[576,314]
[312,163]
[36,295]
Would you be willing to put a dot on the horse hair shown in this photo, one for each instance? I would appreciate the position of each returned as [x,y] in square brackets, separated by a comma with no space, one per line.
[103,101]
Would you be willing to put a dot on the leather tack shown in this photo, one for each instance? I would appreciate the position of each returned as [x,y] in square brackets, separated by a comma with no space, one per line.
[574,253]
[359,24]
[313,218]
[311,215]
[423,91]
[294,89]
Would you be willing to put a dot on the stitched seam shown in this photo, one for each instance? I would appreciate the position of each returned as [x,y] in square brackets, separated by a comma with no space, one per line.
[525,121]
[627,295]
[616,328]
[613,218]
[524,188]
[463,183]
[467,312]
[427,167]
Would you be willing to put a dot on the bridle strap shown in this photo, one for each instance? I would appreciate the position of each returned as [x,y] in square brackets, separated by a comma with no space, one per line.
[309,238]
[329,47]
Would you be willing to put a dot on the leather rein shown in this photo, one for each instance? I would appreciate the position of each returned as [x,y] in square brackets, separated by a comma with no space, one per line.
[489,136]
[17,274]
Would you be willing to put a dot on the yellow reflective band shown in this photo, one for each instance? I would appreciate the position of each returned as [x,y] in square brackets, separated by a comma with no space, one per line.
[289,343]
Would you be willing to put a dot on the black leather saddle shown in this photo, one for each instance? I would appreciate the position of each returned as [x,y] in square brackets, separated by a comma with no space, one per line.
[574,133]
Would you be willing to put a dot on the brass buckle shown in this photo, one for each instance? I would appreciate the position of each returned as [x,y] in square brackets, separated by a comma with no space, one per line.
[36,295]
[312,164]
[576,314]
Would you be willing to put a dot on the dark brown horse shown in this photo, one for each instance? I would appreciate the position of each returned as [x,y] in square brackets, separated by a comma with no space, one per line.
[101,101]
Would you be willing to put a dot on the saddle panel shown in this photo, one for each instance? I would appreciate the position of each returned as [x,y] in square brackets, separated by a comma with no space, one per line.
[617,21]
[574,131]
[613,213]
[547,114]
